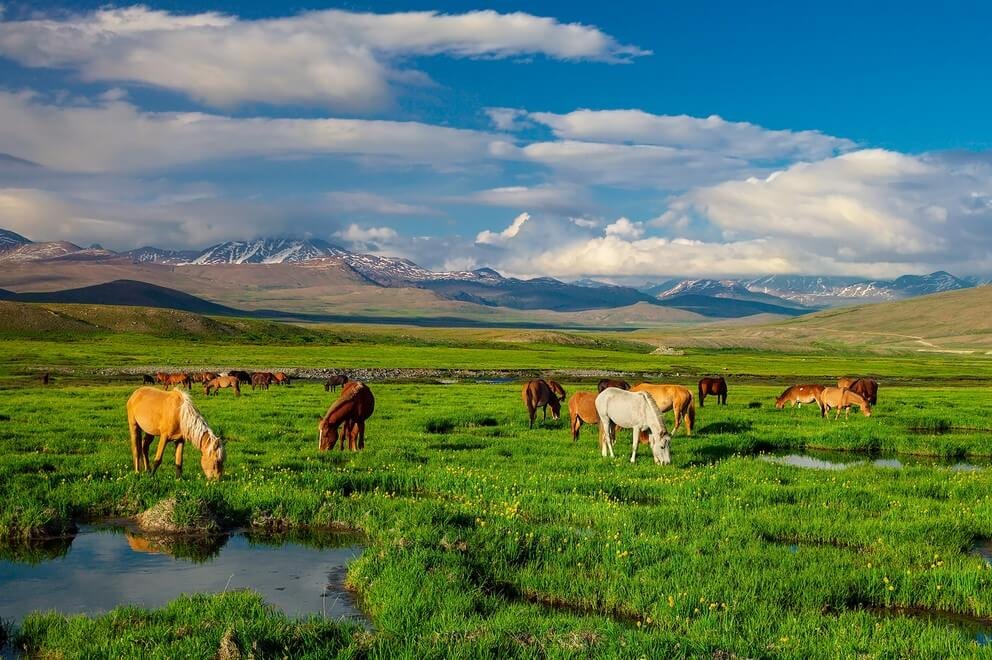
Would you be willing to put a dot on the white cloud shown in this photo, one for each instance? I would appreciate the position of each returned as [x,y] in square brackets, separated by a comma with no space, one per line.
[508,119]
[364,235]
[332,58]
[117,136]
[624,228]
[558,198]
[357,201]
[496,238]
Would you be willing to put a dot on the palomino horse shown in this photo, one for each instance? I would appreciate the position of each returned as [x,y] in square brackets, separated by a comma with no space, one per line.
[716,386]
[215,385]
[582,409]
[536,394]
[800,394]
[841,398]
[335,382]
[261,379]
[632,410]
[612,382]
[355,405]
[279,378]
[867,388]
[671,397]
[173,418]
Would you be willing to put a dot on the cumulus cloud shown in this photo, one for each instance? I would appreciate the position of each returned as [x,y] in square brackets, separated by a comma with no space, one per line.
[624,228]
[334,58]
[117,136]
[497,238]
[354,233]
[508,119]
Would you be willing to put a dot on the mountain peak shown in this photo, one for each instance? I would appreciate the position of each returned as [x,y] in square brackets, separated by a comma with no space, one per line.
[10,239]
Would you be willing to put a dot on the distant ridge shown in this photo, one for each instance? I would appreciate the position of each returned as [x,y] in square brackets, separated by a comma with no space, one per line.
[127,293]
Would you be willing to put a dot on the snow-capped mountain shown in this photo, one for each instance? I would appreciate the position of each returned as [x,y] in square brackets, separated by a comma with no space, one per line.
[38,252]
[10,240]
[267,251]
[821,291]
[156,255]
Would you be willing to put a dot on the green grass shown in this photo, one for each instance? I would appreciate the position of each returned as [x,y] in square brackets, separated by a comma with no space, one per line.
[486,538]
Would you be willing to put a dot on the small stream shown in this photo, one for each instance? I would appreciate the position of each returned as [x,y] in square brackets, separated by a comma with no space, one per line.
[833,460]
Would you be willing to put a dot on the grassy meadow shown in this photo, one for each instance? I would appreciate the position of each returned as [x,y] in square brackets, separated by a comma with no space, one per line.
[486,538]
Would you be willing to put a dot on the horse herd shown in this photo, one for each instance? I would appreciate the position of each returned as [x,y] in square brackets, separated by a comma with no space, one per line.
[172,417]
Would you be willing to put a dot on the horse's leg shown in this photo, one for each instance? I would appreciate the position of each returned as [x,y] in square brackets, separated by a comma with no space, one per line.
[146,445]
[636,431]
[361,435]
[532,413]
[136,434]
[162,442]
[612,437]
[179,458]
[576,425]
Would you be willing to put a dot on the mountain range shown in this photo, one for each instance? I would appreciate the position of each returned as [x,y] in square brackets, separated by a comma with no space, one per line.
[278,269]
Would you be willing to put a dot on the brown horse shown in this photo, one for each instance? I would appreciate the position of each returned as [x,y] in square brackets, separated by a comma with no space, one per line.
[261,379]
[800,394]
[173,418]
[536,394]
[335,382]
[557,389]
[670,397]
[841,398]
[612,382]
[243,376]
[867,388]
[174,380]
[355,405]
[582,409]
[215,385]
[202,377]
[279,378]
[715,386]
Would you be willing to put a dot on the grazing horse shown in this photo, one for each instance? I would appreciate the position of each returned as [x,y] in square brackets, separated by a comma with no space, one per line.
[582,409]
[215,385]
[261,379]
[355,405]
[841,398]
[203,377]
[866,388]
[633,410]
[800,394]
[536,394]
[175,380]
[173,418]
[147,380]
[243,376]
[671,397]
[280,378]
[716,386]
[557,389]
[45,378]
[335,382]
[612,382]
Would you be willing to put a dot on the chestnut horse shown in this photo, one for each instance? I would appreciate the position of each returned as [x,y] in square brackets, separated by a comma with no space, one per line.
[538,393]
[279,378]
[867,388]
[582,409]
[261,379]
[671,397]
[611,382]
[173,418]
[335,382]
[800,394]
[215,385]
[202,377]
[355,405]
[841,398]
[173,380]
[716,386]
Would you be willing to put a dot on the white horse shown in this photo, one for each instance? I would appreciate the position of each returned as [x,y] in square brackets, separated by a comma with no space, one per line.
[632,410]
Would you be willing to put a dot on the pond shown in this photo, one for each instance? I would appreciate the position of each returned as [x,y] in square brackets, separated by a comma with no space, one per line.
[103,567]
[827,460]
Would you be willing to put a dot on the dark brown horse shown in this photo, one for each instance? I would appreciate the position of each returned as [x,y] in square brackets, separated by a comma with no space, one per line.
[261,379]
[202,376]
[715,386]
[280,378]
[538,393]
[335,382]
[349,412]
[45,378]
[243,376]
[612,382]
[557,389]
[866,388]
[147,380]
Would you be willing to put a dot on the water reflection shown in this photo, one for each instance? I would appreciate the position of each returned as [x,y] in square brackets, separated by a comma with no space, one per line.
[824,460]
[104,568]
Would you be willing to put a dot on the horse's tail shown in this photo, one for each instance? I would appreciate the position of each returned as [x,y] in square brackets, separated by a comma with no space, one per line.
[691,412]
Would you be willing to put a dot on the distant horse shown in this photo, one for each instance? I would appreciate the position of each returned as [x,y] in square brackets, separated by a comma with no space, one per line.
[557,389]
[867,388]
[335,382]
[582,409]
[612,382]
[173,418]
[176,380]
[355,405]
[161,377]
[716,386]
[800,394]
[841,398]
[261,379]
[147,380]
[45,378]
[536,394]
[215,385]
[203,376]
[279,378]
[671,397]
[633,410]
[243,376]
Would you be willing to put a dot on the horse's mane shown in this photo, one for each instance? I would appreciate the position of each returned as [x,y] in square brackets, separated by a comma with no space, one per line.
[194,428]
[656,409]
[345,397]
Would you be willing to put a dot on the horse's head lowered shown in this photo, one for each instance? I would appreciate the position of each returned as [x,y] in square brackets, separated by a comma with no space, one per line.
[212,455]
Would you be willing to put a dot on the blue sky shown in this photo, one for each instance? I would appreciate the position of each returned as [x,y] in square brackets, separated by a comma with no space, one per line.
[562,139]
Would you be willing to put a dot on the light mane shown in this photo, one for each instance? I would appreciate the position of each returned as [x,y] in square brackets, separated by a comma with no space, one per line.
[657,410]
[194,428]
